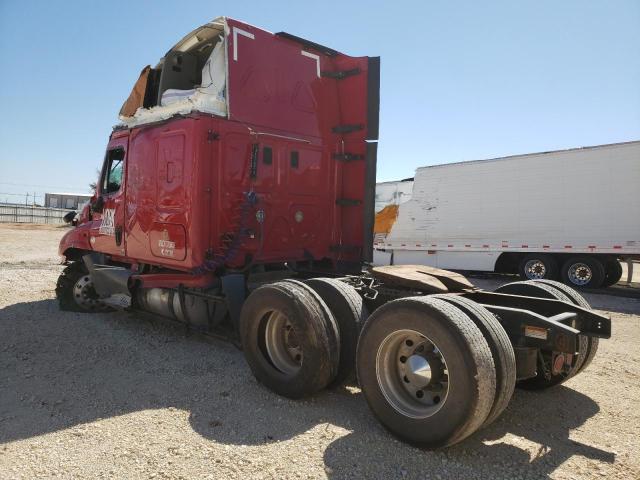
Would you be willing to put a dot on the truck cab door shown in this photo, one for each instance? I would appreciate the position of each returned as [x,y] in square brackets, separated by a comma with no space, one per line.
[107,231]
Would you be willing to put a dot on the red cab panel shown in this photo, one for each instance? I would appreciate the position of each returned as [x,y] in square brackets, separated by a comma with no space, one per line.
[287,175]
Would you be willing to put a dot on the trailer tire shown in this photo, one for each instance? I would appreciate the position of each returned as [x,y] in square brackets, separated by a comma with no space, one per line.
[592,342]
[501,350]
[290,338]
[392,343]
[75,293]
[534,288]
[583,272]
[350,313]
[537,266]
[612,272]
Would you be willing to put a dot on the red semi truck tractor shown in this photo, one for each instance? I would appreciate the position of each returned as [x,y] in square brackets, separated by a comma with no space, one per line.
[237,197]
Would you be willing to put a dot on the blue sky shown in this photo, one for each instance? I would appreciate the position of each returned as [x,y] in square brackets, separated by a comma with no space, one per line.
[461,80]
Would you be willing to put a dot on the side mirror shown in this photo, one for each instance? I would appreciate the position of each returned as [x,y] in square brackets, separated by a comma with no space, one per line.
[68,218]
[98,205]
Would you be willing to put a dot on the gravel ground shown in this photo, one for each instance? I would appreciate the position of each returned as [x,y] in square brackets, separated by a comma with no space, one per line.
[118,396]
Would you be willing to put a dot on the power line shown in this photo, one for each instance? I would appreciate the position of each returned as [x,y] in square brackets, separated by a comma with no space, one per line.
[40,186]
[20,194]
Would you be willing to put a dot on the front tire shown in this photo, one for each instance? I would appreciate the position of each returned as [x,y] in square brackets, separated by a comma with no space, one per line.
[426,371]
[75,292]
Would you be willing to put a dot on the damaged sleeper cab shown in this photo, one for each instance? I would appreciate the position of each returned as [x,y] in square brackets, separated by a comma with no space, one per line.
[237,197]
[190,77]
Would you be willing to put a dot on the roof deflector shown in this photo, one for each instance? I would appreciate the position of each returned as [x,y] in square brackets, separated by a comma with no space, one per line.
[330,52]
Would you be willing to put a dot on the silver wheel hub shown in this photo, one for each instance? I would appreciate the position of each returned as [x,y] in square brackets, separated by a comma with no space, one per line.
[84,294]
[418,370]
[580,273]
[535,269]
[282,346]
[412,374]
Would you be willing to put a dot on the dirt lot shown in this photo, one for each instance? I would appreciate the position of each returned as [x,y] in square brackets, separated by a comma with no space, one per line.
[116,396]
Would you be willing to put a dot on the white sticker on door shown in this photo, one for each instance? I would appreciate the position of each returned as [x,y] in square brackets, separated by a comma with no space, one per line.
[166,246]
[108,222]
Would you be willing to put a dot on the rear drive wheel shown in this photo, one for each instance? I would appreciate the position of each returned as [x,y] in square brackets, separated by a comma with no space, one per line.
[537,266]
[546,377]
[501,350]
[583,272]
[426,371]
[612,272]
[290,338]
[75,291]
[592,342]
[350,313]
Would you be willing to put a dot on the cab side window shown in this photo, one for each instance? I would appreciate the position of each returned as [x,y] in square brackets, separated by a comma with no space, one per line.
[112,175]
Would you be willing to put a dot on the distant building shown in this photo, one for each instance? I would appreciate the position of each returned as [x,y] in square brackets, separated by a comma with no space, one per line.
[70,201]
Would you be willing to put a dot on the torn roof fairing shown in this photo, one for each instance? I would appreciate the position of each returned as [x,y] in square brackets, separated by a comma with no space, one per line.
[198,35]
[181,71]
[209,96]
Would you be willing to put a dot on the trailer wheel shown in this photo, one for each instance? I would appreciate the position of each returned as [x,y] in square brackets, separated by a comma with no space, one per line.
[583,272]
[501,349]
[426,371]
[290,338]
[75,292]
[592,342]
[350,313]
[542,380]
[612,272]
[538,265]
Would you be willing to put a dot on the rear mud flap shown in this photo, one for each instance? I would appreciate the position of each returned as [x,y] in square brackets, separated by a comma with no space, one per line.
[234,289]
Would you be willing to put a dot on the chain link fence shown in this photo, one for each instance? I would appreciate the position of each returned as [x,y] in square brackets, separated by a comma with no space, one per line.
[11,213]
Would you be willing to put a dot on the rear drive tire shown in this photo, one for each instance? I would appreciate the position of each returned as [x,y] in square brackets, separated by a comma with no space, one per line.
[583,272]
[290,338]
[426,371]
[75,292]
[538,289]
[592,342]
[501,350]
[537,266]
[350,313]
[612,272]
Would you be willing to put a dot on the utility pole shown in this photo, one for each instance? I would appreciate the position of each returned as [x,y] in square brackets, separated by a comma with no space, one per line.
[26,200]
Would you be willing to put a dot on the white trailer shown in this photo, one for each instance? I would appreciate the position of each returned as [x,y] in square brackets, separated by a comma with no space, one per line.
[568,214]
[393,193]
